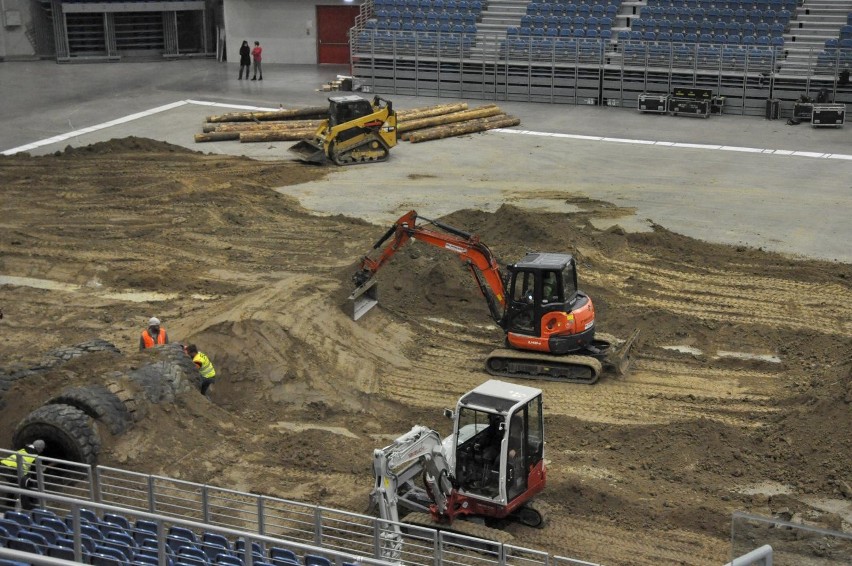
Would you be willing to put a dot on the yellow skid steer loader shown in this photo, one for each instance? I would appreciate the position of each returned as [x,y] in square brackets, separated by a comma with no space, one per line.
[356,131]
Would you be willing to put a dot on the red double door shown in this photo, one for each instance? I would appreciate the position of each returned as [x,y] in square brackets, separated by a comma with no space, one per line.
[333,25]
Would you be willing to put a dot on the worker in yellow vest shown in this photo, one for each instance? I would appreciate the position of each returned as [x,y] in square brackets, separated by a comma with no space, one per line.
[16,470]
[205,367]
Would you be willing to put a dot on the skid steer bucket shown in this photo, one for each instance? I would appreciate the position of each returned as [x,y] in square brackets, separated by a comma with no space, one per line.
[309,151]
[364,298]
[619,359]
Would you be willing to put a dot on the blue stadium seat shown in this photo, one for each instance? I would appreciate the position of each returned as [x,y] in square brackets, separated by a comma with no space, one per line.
[179,531]
[35,537]
[314,560]
[23,544]
[99,559]
[123,537]
[21,518]
[10,526]
[63,552]
[192,555]
[38,515]
[228,560]
[49,534]
[110,547]
[240,547]
[278,553]
[116,519]
[174,542]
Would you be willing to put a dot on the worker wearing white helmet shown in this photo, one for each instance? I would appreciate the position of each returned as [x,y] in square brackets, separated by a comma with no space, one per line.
[154,335]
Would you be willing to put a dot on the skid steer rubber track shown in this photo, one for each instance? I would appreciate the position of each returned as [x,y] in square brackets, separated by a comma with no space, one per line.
[528,365]
[371,150]
[460,526]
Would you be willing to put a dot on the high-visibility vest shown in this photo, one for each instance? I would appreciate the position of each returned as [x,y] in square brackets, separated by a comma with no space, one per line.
[21,455]
[206,369]
[149,340]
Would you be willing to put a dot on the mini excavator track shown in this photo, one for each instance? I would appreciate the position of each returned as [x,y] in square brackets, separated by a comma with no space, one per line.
[529,365]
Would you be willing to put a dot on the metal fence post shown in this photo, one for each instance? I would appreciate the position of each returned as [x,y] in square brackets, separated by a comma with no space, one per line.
[261,524]
[205,503]
[152,502]
[318,525]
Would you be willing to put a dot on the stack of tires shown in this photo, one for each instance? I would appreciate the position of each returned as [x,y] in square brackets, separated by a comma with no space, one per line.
[69,422]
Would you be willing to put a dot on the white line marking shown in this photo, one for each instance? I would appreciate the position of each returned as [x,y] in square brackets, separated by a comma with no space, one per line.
[683,145]
[117,121]
[152,111]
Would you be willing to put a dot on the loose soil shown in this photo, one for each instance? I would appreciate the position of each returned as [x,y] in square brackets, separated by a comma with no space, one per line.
[642,469]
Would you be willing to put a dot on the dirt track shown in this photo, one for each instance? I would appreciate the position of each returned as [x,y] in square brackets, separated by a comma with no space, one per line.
[642,470]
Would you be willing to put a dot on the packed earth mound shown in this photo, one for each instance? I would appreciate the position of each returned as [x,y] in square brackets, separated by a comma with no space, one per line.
[739,396]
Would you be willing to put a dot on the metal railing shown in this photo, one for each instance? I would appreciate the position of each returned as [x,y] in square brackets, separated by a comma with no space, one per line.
[496,67]
[62,486]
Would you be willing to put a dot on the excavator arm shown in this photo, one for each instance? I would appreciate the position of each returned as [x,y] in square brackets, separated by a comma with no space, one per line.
[470,250]
[419,450]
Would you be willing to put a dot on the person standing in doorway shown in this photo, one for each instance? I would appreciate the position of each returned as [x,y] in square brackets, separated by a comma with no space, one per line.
[245,60]
[256,57]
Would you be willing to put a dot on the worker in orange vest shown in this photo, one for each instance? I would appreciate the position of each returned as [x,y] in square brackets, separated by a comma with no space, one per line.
[154,335]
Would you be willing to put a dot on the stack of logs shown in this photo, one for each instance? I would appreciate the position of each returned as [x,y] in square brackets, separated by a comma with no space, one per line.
[415,125]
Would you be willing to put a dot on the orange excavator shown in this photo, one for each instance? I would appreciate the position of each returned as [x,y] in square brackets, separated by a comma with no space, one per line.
[549,322]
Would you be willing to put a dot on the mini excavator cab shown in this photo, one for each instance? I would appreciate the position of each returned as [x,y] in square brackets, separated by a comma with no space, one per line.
[499,444]
[540,283]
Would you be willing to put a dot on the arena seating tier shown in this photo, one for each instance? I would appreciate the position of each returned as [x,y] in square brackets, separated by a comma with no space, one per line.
[114,540]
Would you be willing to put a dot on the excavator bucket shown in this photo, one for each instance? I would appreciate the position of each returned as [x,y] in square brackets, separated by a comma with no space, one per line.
[364,298]
[619,359]
[309,151]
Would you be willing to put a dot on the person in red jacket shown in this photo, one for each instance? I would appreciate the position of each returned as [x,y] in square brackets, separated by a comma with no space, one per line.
[256,57]
[153,335]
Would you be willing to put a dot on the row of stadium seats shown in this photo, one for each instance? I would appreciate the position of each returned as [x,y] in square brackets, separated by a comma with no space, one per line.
[748,28]
[716,15]
[585,10]
[776,5]
[575,22]
[837,52]
[112,540]
[563,32]
[722,39]
[426,5]
[420,27]
[384,21]
[427,43]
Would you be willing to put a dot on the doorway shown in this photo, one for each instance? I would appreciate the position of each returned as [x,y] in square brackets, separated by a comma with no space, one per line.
[333,25]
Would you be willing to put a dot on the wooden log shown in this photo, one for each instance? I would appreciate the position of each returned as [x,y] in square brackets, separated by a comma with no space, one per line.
[484,112]
[267,126]
[426,111]
[408,135]
[283,114]
[274,135]
[440,132]
[216,136]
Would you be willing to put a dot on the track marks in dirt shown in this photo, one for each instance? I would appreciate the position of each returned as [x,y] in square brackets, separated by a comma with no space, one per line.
[728,296]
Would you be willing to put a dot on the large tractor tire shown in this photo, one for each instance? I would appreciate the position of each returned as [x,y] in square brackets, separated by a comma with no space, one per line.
[99,403]
[67,432]
[62,355]
[125,393]
[173,374]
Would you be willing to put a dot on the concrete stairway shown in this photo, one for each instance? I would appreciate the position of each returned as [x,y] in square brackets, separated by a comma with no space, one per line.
[813,23]
[497,16]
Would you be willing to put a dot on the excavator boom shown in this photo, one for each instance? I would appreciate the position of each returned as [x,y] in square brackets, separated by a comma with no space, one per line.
[476,255]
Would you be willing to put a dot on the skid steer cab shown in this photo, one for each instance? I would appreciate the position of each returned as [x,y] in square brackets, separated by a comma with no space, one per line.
[356,131]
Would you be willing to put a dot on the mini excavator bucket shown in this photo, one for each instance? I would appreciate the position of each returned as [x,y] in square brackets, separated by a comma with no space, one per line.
[310,151]
[364,298]
[619,359]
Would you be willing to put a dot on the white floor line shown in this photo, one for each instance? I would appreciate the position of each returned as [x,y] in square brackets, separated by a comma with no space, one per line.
[75,133]
[787,152]
[131,117]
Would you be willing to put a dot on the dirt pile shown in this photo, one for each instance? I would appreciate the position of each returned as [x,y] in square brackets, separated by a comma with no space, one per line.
[739,397]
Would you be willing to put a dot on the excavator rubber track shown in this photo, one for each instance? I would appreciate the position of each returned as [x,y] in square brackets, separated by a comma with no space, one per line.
[372,149]
[529,365]
[460,526]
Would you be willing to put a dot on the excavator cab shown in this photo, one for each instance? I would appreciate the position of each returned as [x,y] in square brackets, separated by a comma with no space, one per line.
[499,443]
[540,283]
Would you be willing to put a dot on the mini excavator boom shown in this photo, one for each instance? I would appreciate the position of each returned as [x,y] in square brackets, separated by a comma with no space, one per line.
[549,322]
[356,131]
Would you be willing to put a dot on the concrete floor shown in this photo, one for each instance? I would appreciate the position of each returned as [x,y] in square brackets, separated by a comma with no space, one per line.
[729,179]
